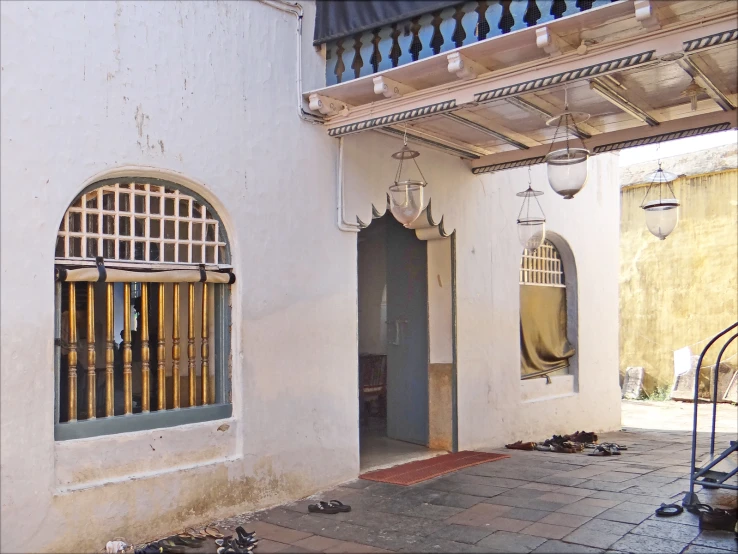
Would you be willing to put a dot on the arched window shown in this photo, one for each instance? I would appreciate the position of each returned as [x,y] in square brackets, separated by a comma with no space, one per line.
[544,324]
[143,281]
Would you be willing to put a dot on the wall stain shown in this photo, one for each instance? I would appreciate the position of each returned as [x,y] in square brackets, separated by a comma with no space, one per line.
[140,119]
[202,497]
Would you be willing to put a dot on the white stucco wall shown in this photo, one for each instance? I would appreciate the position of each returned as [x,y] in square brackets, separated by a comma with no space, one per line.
[204,94]
[440,302]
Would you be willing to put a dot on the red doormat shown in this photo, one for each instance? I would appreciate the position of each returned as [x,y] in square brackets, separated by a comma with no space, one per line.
[422,470]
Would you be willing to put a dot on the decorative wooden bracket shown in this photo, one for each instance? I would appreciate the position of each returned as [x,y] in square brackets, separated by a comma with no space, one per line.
[644,13]
[390,88]
[327,105]
[464,67]
[549,42]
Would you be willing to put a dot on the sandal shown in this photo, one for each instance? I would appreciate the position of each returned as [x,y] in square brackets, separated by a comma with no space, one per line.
[614,445]
[340,506]
[605,450]
[243,535]
[194,533]
[213,532]
[719,519]
[520,445]
[149,549]
[323,508]
[669,510]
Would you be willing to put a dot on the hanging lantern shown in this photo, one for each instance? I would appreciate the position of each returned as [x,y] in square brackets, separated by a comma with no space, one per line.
[662,214]
[406,195]
[568,167]
[531,227]
[692,92]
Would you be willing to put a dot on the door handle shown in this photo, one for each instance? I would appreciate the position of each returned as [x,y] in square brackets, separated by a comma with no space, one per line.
[397,322]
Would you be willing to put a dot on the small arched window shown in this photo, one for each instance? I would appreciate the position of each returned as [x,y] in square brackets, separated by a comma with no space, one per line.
[143,310]
[544,346]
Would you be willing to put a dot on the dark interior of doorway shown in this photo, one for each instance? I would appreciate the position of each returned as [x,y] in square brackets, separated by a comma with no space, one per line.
[393,344]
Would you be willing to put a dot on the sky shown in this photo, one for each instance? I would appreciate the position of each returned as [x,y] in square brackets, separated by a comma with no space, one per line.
[676,147]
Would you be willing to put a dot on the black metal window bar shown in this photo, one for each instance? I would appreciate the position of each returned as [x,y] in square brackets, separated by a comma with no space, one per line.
[709,475]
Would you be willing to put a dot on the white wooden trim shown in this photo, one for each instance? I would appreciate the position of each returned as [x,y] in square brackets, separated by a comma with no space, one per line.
[148,192]
[542,267]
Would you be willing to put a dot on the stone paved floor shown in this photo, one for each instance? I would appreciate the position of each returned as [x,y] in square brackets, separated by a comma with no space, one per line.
[530,502]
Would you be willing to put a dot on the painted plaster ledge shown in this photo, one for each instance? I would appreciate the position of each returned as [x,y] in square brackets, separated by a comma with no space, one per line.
[140,455]
[538,390]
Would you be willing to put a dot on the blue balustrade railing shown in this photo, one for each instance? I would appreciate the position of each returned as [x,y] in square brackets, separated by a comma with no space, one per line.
[438,32]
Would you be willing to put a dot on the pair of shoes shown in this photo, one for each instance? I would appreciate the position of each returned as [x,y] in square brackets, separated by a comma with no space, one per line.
[582,437]
[605,450]
[331,507]
[245,542]
[520,445]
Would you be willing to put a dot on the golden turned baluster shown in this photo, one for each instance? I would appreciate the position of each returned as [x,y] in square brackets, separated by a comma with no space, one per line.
[175,346]
[72,356]
[192,377]
[109,351]
[205,347]
[91,400]
[127,358]
[145,352]
[161,354]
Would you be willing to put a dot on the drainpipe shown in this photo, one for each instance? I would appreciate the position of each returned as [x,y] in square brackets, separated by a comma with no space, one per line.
[343,225]
[296,10]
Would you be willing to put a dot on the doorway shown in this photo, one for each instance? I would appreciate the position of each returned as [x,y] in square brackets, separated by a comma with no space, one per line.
[395,400]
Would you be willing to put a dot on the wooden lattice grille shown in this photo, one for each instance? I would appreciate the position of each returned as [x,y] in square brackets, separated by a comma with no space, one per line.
[140,222]
[542,266]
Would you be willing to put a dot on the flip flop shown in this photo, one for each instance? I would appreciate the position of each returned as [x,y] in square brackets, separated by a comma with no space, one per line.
[149,549]
[340,506]
[520,445]
[614,445]
[669,510]
[213,532]
[194,533]
[601,451]
[323,508]
[243,534]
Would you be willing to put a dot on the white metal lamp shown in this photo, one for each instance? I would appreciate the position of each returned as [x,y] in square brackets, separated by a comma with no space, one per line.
[567,167]
[406,195]
[531,227]
[662,214]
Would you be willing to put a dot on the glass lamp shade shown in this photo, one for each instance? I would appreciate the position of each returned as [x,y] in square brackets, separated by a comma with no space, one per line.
[568,171]
[406,201]
[531,232]
[662,217]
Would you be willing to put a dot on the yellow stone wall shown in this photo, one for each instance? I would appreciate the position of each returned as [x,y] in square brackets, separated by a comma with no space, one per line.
[679,291]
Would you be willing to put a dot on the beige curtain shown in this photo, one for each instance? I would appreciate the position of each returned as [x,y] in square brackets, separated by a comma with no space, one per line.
[544,347]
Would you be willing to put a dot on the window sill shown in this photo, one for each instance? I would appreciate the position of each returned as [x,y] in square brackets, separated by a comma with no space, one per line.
[118,458]
[140,422]
[537,390]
